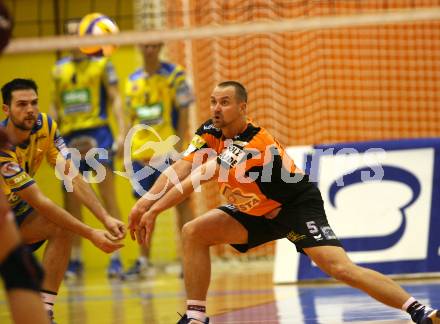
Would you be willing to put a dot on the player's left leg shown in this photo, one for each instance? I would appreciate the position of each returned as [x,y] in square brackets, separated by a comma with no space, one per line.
[334,261]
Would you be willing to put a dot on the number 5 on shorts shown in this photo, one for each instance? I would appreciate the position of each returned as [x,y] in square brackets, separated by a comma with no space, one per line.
[313,229]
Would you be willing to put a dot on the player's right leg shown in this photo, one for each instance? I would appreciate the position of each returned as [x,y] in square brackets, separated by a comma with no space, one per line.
[184,214]
[213,227]
[36,228]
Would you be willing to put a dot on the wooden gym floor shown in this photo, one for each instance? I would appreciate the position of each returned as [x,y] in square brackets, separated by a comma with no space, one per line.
[239,293]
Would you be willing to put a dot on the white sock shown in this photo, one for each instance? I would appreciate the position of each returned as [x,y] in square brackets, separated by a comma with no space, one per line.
[76,253]
[407,303]
[143,260]
[48,298]
[115,255]
[196,309]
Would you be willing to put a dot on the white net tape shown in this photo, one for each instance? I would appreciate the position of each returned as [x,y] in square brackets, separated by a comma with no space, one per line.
[41,44]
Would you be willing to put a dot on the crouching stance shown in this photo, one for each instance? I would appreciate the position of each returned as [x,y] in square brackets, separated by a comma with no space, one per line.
[34,137]
[270,198]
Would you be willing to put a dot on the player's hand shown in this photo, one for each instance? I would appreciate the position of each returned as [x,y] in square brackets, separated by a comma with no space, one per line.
[140,208]
[146,227]
[105,241]
[115,227]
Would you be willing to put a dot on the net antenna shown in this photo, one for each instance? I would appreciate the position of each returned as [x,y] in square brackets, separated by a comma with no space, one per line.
[42,44]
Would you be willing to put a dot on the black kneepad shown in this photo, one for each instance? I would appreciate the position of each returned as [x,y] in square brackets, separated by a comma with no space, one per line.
[21,270]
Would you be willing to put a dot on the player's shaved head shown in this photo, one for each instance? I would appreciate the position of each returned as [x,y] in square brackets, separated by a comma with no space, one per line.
[240,90]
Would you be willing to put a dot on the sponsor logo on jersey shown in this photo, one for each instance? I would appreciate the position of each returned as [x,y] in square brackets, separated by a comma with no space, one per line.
[210,126]
[240,143]
[328,233]
[295,237]
[20,178]
[231,156]
[197,142]
[10,168]
[13,198]
[243,201]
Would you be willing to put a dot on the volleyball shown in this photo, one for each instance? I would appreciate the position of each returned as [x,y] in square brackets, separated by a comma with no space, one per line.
[97,24]
[5,26]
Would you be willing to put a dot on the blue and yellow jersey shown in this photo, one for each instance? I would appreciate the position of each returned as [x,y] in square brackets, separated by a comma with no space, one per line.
[155,101]
[80,94]
[18,164]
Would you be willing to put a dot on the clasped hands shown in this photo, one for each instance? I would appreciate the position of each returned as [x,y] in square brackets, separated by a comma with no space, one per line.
[141,222]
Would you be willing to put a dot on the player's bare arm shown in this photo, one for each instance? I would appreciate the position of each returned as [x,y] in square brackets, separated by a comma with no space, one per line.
[181,168]
[47,208]
[84,192]
[204,173]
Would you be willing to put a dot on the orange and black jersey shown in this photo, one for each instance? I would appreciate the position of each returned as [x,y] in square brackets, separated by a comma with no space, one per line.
[256,174]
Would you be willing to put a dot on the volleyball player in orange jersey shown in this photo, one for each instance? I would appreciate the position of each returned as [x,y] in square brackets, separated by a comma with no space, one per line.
[270,198]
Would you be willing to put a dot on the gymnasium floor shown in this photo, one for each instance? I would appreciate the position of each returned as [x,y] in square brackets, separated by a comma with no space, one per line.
[240,293]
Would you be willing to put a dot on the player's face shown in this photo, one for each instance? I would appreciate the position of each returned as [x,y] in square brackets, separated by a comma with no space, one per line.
[72,30]
[23,111]
[225,108]
[150,51]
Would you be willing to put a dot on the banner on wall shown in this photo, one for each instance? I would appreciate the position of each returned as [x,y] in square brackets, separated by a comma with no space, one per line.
[382,200]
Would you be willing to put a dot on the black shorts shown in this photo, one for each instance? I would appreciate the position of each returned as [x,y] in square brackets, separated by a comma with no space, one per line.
[304,224]
[19,220]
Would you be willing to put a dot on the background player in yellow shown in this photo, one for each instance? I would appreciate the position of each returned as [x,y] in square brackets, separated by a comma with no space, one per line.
[157,96]
[35,138]
[85,88]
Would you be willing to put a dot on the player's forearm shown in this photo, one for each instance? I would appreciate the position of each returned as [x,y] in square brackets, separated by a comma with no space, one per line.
[180,192]
[62,218]
[174,196]
[166,181]
[84,192]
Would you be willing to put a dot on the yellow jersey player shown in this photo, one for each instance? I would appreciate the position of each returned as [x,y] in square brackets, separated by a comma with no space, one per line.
[20,272]
[85,88]
[35,138]
[157,98]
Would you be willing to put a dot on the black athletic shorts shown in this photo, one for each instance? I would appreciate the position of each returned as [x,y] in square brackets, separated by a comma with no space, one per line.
[304,224]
